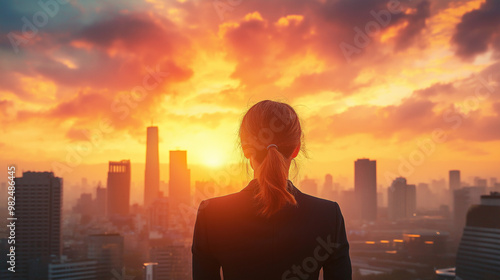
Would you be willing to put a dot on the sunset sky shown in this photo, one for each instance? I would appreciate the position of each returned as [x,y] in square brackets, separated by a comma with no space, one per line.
[413,81]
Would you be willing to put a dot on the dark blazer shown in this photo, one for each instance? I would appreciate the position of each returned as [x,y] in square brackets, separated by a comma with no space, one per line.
[295,243]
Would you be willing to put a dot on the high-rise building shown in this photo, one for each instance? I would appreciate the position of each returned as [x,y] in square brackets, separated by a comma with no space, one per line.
[73,270]
[107,250]
[330,190]
[152,173]
[174,261]
[411,200]
[425,197]
[158,214]
[462,199]
[118,195]
[480,182]
[179,185]
[38,225]
[309,186]
[454,180]
[84,205]
[149,271]
[100,200]
[365,187]
[402,200]
[478,254]
[493,182]
[347,202]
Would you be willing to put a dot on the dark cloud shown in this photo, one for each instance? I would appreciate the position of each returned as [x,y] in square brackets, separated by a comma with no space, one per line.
[435,90]
[416,23]
[111,53]
[478,30]
[136,32]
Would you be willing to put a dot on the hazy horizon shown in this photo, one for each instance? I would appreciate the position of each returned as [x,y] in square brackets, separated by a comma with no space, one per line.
[403,85]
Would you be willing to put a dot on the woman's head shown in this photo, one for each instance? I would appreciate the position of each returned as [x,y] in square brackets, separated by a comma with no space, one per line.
[271,136]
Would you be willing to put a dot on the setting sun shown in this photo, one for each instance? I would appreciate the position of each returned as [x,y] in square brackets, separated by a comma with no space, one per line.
[213,159]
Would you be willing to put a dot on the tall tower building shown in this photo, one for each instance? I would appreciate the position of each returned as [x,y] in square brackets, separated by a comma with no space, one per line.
[107,249]
[330,190]
[309,186]
[38,225]
[152,174]
[479,250]
[462,199]
[174,261]
[454,180]
[402,199]
[365,188]
[100,200]
[118,191]
[179,184]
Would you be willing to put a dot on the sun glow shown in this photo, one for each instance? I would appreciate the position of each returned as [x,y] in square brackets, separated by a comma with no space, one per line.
[213,159]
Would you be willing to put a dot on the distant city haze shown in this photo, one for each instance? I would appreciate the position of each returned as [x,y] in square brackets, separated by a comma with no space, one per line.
[419,76]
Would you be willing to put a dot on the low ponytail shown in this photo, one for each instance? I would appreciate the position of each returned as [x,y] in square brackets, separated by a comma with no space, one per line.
[271,134]
[273,191]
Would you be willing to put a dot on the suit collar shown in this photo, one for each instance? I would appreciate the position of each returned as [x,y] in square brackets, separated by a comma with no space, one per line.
[254,185]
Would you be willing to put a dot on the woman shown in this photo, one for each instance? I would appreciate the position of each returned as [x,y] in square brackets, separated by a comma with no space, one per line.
[270,230]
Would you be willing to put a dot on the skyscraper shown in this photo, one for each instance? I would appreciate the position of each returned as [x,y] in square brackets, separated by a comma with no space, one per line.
[479,250]
[365,188]
[158,214]
[100,200]
[152,173]
[480,182]
[425,197]
[309,186]
[107,249]
[330,190]
[179,184]
[462,199]
[454,180]
[73,270]
[174,261]
[118,195]
[149,271]
[402,199]
[38,224]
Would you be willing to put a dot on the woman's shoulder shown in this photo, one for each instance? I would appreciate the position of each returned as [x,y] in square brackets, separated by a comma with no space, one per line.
[221,202]
[317,202]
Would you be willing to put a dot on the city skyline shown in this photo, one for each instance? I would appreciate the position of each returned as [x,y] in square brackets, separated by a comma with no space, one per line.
[239,176]
[121,123]
[171,217]
[416,90]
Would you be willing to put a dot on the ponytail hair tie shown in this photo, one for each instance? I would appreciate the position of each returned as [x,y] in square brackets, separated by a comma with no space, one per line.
[272,145]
